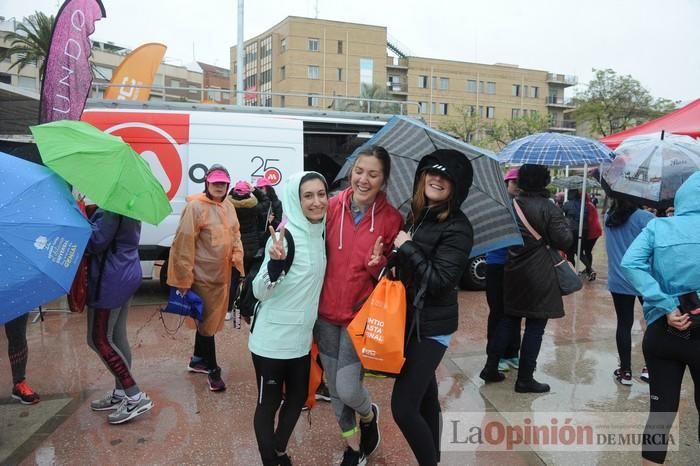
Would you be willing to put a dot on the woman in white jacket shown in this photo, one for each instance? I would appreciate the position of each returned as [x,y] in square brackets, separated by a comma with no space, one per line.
[281,330]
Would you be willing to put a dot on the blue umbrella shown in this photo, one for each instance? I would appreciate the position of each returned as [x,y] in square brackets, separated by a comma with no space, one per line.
[555,149]
[42,236]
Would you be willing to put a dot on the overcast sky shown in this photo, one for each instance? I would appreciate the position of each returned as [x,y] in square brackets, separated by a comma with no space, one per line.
[655,41]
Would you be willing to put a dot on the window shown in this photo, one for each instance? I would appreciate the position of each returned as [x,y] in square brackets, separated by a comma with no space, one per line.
[213,94]
[283,44]
[193,89]
[313,72]
[27,82]
[314,44]
[366,71]
[481,111]
[422,81]
[282,102]
[158,80]
[339,74]
[444,84]
[471,85]
[340,46]
[423,107]
[534,92]
[442,109]
[525,113]
[515,113]
[515,90]
[490,87]
[481,87]
[174,83]
[313,100]
[103,72]
[4,50]
[490,112]
[265,76]
[471,110]
[283,73]
[5,78]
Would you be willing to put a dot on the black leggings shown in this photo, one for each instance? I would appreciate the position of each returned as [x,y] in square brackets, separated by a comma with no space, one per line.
[205,348]
[274,376]
[414,401]
[494,297]
[624,308]
[667,356]
[16,331]
[587,253]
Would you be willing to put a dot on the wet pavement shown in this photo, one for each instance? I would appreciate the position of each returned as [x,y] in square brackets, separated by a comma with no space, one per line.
[191,425]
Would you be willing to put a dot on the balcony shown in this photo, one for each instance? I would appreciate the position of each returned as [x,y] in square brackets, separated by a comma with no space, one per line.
[562,125]
[396,62]
[397,88]
[566,79]
[556,101]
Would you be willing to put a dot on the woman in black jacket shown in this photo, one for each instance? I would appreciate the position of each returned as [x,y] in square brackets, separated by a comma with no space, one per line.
[430,257]
[531,289]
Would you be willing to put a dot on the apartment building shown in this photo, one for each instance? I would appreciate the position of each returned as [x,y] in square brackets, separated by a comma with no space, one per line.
[305,62]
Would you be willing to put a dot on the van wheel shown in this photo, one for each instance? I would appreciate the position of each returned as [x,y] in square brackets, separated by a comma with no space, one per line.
[474,277]
[164,275]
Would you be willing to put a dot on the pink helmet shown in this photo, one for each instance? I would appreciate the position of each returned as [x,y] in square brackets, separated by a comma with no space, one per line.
[511,174]
[262,182]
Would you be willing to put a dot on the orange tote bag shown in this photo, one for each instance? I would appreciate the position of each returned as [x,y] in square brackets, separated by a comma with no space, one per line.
[377,331]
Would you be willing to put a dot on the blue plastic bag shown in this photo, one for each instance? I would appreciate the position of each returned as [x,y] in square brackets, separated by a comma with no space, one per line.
[189,305]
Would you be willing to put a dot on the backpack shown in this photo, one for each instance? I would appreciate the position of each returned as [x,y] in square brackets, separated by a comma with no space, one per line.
[248,303]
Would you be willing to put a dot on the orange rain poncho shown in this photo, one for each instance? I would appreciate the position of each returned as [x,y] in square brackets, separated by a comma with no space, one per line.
[207,243]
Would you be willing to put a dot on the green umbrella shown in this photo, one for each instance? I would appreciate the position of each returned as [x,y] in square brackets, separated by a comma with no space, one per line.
[104,168]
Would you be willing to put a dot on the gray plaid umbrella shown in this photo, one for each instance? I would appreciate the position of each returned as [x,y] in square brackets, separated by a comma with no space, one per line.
[574,182]
[488,206]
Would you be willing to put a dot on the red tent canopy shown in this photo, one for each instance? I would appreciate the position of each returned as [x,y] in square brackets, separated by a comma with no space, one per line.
[685,120]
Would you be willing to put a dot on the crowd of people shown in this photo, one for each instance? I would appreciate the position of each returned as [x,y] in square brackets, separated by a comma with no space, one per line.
[320,258]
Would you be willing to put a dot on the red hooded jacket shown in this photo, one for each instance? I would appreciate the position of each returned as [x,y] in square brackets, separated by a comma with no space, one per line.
[348,279]
[595,230]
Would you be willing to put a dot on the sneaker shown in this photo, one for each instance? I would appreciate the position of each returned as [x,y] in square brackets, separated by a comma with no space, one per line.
[322,393]
[623,377]
[369,433]
[530,386]
[503,366]
[353,458]
[197,366]
[22,392]
[128,409]
[512,362]
[216,384]
[592,276]
[229,315]
[108,403]
[377,375]
[644,376]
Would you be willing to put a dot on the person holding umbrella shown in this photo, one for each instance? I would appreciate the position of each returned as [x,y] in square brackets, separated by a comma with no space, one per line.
[530,281]
[207,243]
[430,257]
[114,276]
[360,228]
[662,265]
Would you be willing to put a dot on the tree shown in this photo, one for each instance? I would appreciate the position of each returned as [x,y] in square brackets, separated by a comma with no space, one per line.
[501,133]
[30,42]
[371,92]
[466,126]
[613,103]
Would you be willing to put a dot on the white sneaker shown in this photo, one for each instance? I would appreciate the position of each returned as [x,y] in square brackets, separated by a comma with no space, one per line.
[128,409]
[229,315]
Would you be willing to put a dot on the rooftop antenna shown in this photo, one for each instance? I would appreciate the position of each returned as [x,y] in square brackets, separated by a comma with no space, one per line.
[316,9]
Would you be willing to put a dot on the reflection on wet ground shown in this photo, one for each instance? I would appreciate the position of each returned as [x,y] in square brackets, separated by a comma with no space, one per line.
[191,425]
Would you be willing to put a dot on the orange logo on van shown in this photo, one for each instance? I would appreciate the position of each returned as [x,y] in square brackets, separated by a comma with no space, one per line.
[156,136]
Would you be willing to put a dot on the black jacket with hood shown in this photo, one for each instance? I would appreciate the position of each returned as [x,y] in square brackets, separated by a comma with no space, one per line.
[247,210]
[438,253]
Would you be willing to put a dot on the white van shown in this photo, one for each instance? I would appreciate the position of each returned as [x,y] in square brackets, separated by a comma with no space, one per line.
[180,140]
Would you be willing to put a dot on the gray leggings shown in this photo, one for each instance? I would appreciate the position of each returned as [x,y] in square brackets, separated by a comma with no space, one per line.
[343,372]
[106,335]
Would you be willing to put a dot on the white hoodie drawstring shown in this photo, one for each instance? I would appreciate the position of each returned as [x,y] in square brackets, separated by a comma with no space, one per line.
[342,220]
[371,228]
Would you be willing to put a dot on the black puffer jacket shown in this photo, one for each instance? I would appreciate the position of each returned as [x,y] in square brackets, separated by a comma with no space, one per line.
[438,252]
[267,204]
[247,212]
[530,282]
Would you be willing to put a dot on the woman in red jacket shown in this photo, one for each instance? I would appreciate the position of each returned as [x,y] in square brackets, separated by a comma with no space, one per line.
[594,231]
[360,231]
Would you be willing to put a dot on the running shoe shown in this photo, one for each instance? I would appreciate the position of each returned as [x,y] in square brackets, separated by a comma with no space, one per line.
[108,403]
[512,362]
[503,366]
[369,433]
[623,377]
[353,458]
[129,409]
[322,393]
[22,392]
[216,384]
[644,376]
[198,367]
[229,315]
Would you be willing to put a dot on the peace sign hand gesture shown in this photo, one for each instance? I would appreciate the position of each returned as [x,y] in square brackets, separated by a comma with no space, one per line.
[276,250]
[377,251]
